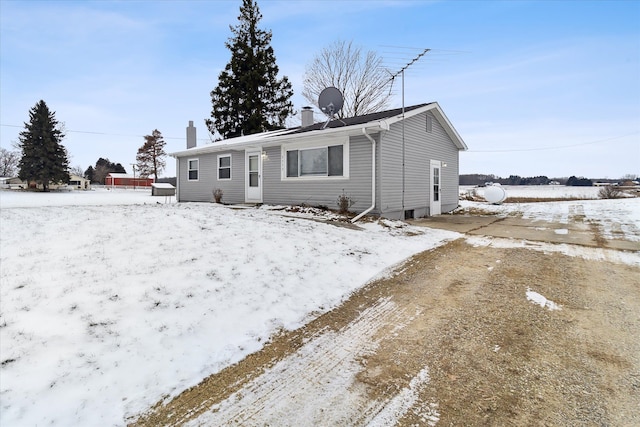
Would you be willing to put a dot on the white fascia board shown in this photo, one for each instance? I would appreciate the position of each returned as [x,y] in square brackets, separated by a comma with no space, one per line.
[267,139]
[448,127]
[238,143]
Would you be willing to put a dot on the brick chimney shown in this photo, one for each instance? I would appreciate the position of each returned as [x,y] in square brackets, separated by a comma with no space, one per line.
[191,135]
[307,116]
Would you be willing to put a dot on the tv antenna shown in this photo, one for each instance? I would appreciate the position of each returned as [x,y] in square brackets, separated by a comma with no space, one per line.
[392,79]
[330,102]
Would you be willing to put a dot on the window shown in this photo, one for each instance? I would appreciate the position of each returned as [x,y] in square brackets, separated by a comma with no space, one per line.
[436,184]
[429,124]
[292,163]
[316,162]
[193,169]
[224,167]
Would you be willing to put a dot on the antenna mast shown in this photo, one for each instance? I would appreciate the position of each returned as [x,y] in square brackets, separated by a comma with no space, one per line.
[401,72]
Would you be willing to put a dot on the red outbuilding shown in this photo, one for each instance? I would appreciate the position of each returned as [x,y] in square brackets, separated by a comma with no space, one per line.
[126,180]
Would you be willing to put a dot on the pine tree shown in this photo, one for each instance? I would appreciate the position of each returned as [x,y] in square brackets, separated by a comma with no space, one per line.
[88,174]
[150,157]
[103,168]
[249,97]
[44,159]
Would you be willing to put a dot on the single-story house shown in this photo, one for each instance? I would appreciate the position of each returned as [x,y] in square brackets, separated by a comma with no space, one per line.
[126,180]
[12,182]
[79,183]
[398,164]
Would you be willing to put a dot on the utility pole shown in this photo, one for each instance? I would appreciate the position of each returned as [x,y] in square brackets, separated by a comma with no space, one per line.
[133,166]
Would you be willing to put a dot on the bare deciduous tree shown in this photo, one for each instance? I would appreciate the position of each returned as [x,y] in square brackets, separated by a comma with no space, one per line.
[76,170]
[9,162]
[359,76]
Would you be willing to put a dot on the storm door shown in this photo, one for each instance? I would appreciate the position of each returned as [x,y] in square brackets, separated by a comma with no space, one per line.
[435,189]
[254,177]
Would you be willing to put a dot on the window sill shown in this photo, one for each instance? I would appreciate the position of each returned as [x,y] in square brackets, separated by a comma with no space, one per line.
[314,178]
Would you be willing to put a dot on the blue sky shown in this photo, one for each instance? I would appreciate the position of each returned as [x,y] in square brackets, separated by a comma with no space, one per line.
[533,87]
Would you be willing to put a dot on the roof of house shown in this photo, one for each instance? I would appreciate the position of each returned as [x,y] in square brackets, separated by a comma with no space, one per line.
[119,175]
[373,122]
[357,120]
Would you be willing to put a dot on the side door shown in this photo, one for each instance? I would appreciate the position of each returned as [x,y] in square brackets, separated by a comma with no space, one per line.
[253,179]
[435,190]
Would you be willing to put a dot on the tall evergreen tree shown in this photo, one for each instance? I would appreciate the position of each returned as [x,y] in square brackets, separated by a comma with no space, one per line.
[249,97]
[44,159]
[150,157]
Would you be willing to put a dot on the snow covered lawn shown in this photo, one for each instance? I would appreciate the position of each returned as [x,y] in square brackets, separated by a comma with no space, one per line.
[110,300]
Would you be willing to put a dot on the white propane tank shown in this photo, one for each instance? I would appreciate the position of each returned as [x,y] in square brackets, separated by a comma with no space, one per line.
[495,194]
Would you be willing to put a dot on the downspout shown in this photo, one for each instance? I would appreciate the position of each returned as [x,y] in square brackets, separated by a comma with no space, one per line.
[373,177]
[177,179]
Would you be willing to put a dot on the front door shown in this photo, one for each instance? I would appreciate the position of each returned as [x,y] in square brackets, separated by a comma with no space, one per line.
[435,204]
[254,177]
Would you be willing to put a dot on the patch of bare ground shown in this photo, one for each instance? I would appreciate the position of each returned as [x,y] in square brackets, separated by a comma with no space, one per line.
[493,357]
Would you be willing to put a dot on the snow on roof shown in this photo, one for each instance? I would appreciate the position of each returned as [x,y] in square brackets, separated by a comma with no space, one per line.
[162,185]
[377,121]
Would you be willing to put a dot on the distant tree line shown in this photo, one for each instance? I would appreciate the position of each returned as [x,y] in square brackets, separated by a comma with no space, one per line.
[579,182]
[482,179]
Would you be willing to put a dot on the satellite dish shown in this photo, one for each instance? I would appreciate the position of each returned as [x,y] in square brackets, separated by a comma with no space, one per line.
[495,194]
[330,101]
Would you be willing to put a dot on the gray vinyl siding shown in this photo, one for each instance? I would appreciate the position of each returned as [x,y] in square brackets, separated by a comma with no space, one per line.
[202,189]
[450,176]
[389,178]
[320,192]
[420,148]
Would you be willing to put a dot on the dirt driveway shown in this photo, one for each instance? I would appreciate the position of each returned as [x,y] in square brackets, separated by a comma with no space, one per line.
[460,335]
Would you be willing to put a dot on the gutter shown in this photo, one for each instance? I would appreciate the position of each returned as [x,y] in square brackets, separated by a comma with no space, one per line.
[373,177]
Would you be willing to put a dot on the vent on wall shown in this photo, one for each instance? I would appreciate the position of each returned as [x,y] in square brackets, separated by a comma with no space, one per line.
[409,214]
[429,124]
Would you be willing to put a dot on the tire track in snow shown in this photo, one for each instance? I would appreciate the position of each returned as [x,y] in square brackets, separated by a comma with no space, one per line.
[316,385]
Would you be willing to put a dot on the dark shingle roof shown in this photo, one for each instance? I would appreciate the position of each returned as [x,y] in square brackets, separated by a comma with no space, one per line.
[357,120]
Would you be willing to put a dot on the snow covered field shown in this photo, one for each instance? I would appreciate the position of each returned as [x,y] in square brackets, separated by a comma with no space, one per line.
[112,300]
[540,191]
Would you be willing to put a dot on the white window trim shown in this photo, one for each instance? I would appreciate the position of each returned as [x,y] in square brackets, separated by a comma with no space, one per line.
[230,167]
[189,169]
[311,145]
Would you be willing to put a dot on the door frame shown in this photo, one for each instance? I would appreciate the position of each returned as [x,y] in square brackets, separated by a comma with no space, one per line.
[247,191]
[435,206]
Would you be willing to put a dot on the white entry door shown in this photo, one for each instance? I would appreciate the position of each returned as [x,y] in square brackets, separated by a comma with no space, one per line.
[435,191]
[254,177]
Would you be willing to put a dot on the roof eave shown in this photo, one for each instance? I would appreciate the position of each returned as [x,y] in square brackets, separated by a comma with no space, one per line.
[282,137]
[449,129]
